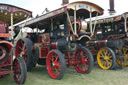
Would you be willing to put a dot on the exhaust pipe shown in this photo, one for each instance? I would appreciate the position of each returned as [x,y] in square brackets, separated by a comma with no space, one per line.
[111,5]
[64,2]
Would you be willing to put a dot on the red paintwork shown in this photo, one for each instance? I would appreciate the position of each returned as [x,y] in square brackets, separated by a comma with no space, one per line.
[3,27]
[44,51]
[82,62]
[53,65]
[6,63]
[53,45]
[70,59]
[3,51]
[17,71]
[12,8]
[8,44]
[5,35]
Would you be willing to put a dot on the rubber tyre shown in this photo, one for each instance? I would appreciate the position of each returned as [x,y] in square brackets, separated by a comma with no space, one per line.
[90,56]
[23,70]
[62,62]
[28,43]
[113,64]
[124,52]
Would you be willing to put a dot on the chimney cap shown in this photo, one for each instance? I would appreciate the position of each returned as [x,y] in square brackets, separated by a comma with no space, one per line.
[64,2]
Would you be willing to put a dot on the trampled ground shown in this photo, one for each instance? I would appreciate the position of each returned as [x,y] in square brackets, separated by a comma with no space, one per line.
[39,76]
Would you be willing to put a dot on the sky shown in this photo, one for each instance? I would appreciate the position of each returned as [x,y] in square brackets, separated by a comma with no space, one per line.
[38,6]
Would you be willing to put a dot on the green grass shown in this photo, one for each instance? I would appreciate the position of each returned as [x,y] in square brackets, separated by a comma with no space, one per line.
[39,76]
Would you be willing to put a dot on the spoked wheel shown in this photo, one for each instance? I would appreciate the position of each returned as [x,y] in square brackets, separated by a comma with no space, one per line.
[20,70]
[56,64]
[24,49]
[3,53]
[124,61]
[106,58]
[84,60]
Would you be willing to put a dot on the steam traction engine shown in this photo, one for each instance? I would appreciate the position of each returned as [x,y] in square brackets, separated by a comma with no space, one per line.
[55,39]
[8,64]
[109,41]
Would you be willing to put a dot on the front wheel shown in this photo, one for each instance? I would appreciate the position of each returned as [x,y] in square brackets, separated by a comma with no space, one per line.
[20,70]
[84,60]
[56,64]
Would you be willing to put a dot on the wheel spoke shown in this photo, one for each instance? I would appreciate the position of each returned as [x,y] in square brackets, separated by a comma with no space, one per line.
[20,48]
[57,72]
[85,66]
[56,58]
[23,48]
[124,61]
[52,58]
[82,53]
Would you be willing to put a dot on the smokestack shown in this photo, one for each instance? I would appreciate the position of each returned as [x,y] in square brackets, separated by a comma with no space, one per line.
[111,4]
[64,2]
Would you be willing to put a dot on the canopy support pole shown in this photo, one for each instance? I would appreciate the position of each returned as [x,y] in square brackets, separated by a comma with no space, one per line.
[12,32]
[70,22]
[95,24]
[75,31]
[125,22]
[90,21]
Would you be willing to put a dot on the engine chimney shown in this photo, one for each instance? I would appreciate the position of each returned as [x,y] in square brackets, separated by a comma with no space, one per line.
[111,4]
[64,2]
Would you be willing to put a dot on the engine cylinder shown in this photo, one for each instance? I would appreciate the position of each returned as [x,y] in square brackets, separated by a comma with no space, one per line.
[64,45]
[115,44]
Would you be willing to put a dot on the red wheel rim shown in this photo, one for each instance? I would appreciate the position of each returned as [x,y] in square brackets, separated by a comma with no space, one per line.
[82,61]
[21,50]
[53,65]
[17,71]
[2,52]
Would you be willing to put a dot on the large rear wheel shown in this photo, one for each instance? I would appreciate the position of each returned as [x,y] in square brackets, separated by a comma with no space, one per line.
[84,60]
[56,64]
[124,60]
[106,58]
[24,49]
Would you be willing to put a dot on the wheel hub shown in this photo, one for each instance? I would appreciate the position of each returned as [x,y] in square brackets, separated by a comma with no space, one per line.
[106,58]
[83,60]
[56,64]
[22,53]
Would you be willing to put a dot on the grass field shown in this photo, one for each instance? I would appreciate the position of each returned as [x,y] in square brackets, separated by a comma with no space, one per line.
[39,76]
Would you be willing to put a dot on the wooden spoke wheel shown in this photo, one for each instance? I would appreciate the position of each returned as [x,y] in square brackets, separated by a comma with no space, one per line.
[84,60]
[106,58]
[56,64]
[3,53]
[20,70]
[24,49]
[124,61]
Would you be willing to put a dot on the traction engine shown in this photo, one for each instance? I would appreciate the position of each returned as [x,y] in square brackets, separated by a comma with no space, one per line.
[9,64]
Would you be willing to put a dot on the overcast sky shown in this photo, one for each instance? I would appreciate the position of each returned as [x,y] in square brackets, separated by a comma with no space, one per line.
[38,6]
